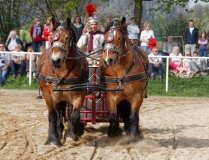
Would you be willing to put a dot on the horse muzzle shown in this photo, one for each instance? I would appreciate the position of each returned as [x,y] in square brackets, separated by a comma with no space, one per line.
[109,61]
[56,63]
[57,59]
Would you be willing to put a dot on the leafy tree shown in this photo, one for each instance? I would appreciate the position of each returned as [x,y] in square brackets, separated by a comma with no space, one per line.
[9,16]
[164,5]
[23,11]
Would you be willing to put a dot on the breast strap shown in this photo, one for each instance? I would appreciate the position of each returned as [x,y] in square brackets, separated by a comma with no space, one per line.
[54,80]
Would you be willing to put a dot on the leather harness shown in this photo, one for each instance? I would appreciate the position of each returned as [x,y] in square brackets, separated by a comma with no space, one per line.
[124,79]
[64,80]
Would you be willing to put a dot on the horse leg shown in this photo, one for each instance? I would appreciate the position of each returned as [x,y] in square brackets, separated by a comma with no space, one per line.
[75,127]
[134,117]
[124,110]
[60,110]
[53,136]
[114,129]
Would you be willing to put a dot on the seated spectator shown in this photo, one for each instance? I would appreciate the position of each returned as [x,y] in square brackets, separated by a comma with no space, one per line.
[155,64]
[30,49]
[133,31]
[168,47]
[175,63]
[4,64]
[17,62]
[198,65]
[13,41]
[186,64]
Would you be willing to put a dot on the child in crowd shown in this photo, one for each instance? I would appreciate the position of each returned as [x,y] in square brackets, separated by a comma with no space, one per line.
[155,64]
[186,64]
[203,41]
[175,63]
[30,49]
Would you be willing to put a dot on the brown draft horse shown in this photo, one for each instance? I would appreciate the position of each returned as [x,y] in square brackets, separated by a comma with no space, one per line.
[123,65]
[61,67]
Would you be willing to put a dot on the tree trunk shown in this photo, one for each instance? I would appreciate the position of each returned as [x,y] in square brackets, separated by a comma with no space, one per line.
[138,11]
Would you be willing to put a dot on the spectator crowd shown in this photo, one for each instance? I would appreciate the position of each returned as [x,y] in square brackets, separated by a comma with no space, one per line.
[32,41]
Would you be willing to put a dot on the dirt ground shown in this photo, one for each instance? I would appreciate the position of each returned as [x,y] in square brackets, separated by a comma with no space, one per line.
[174,128]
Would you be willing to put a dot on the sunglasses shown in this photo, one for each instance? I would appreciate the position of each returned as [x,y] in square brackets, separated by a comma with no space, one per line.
[39,20]
[1,46]
[156,51]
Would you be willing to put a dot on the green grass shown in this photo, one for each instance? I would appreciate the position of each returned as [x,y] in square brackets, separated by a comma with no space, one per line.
[187,87]
[20,83]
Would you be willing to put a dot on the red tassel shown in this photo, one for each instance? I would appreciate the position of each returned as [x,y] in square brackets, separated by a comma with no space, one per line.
[90,8]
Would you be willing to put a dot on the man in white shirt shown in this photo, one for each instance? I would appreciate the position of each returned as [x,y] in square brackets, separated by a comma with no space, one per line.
[133,31]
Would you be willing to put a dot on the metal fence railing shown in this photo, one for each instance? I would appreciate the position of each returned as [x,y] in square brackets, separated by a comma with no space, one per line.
[167,64]
[30,61]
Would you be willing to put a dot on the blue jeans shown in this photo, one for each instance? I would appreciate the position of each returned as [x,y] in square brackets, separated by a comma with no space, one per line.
[165,54]
[158,69]
[36,45]
[3,75]
[203,53]
[146,49]
[19,67]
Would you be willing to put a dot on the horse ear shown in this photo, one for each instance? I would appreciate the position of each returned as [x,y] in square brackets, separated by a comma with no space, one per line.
[68,22]
[123,21]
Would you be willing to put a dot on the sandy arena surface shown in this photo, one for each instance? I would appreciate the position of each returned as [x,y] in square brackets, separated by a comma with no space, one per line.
[174,128]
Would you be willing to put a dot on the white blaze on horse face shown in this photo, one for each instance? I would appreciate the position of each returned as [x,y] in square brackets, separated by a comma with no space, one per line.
[107,56]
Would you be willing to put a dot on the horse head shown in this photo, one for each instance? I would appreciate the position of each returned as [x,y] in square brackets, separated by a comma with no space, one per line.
[115,41]
[63,39]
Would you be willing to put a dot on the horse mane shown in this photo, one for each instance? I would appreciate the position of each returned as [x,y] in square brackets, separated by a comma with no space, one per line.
[116,23]
[73,34]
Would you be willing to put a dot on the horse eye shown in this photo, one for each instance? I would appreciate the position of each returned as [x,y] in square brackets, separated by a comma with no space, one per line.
[67,38]
[119,38]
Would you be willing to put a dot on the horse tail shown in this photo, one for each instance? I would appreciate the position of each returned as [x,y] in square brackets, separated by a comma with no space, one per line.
[146,90]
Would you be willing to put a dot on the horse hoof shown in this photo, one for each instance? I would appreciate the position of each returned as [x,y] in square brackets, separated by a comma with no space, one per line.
[53,143]
[71,136]
[79,129]
[114,133]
